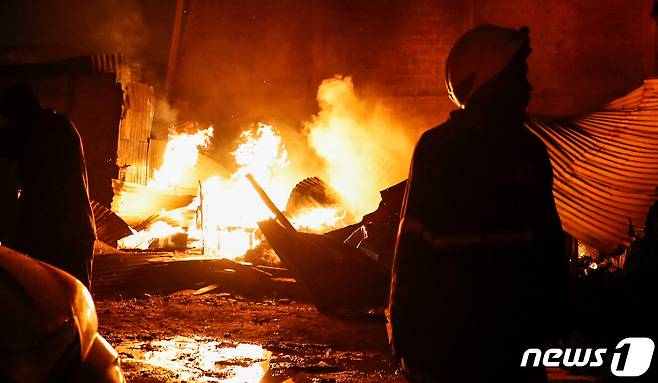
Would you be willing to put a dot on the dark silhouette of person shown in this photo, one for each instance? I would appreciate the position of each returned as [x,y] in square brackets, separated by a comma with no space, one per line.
[480,267]
[55,220]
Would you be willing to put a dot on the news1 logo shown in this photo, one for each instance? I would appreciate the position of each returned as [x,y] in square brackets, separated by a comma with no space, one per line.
[632,357]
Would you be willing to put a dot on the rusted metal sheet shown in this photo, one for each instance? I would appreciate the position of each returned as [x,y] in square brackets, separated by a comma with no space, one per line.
[112,272]
[135,132]
[109,227]
[339,278]
[605,168]
[108,62]
[119,273]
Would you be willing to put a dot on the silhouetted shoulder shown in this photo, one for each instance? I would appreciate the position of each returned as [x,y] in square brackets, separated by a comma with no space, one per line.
[435,140]
[536,147]
[59,120]
[60,127]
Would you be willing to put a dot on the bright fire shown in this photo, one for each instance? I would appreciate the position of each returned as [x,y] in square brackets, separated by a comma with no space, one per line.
[317,219]
[231,208]
[143,239]
[354,145]
[365,147]
[228,209]
[181,154]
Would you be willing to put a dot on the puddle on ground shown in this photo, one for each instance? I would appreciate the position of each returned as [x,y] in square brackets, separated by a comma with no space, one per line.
[202,359]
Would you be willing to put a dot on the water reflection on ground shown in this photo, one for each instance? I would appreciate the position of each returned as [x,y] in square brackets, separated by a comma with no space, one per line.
[202,359]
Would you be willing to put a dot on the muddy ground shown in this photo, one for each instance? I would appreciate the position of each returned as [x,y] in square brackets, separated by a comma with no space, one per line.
[184,337]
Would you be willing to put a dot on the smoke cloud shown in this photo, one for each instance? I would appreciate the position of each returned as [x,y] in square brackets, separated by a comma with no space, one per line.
[93,26]
[165,117]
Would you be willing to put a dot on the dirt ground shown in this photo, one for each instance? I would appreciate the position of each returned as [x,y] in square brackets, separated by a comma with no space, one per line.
[224,338]
[183,337]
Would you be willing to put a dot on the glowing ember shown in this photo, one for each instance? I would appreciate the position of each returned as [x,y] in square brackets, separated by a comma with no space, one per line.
[317,220]
[143,239]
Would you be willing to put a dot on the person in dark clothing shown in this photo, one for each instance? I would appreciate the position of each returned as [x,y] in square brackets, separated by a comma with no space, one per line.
[55,222]
[480,268]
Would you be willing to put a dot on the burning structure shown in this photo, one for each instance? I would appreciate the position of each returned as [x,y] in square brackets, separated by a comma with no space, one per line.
[187,188]
[281,133]
[178,183]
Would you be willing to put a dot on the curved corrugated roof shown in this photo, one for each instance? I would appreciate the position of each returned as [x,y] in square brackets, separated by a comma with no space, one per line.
[605,167]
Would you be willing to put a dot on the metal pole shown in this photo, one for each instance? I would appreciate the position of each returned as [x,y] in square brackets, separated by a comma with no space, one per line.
[203,226]
[173,51]
[279,215]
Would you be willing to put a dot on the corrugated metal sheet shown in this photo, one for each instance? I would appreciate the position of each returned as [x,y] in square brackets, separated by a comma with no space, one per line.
[134,203]
[135,132]
[605,168]
[109,227]
[156,154]
[116,272]
[108,62]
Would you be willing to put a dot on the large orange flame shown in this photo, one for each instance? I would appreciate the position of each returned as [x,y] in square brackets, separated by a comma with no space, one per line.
[181,154]
[364,146]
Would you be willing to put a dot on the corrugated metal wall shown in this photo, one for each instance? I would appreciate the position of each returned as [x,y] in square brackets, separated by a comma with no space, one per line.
[85,90]
[134,133]
[156,154]
[605,168]
[108,62]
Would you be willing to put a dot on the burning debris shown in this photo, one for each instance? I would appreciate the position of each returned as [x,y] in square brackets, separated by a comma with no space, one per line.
[222,219]
[218,178]
[349,136]
[180,156]
[231,214]
[221,214]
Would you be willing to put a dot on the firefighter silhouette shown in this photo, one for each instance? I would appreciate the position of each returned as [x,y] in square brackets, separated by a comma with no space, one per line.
[480,269]
[55,222]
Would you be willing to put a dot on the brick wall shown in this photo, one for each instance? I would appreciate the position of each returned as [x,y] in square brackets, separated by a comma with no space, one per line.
[585,52]
[253,59]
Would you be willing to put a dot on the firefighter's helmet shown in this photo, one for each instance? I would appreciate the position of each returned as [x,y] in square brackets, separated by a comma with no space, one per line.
[49,329]
[478,56]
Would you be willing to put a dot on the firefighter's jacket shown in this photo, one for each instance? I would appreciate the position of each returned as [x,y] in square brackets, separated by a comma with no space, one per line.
[480,269]
[54,198]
